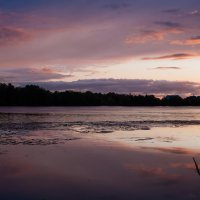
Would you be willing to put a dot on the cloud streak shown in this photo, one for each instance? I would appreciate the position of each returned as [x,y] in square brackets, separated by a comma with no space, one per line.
[147,36]
[166,68]
[117,6]
[168,24]
[177,56]
[172,11]
[10,36]
[191,41]
[30,75]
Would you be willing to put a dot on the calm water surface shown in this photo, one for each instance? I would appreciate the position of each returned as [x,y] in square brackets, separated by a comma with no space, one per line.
[99,153]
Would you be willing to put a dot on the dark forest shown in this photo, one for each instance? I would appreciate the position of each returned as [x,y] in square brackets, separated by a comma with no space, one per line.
[32,95]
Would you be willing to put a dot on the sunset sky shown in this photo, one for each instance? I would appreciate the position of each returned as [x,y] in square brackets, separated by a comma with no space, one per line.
[126,46]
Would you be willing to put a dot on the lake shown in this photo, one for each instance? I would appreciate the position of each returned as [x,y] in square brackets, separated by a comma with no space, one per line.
[100,153]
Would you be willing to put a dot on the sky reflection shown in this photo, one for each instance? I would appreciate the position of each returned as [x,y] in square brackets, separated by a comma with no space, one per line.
[40,159]
[95,170]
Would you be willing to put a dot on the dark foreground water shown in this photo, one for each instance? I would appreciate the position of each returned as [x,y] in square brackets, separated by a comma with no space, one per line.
[99,153]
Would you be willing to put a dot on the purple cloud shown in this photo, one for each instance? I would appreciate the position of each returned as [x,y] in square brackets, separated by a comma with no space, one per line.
[166,68]
[10,35]
[134,86]
[176,56]
[168,24]
[30,75]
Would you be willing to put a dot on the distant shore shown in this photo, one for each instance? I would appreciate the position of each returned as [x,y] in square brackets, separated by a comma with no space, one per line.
[32,95]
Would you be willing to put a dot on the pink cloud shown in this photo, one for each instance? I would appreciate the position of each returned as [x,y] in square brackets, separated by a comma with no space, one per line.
[159,173]
[174,150]
[11,36]
[150,36]
[190,41]
[31,75]
[182,165]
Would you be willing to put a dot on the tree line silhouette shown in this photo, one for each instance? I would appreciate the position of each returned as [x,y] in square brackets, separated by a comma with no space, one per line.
[32,95]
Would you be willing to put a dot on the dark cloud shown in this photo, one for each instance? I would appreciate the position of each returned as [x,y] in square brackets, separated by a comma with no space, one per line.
[168,24]
[195,38]
[172,11]
[134,86]
[165,68]
[117,6]
[29,75]
[176,56]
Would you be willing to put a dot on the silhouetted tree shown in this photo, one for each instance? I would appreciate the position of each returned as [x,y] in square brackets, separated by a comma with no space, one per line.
[32,95]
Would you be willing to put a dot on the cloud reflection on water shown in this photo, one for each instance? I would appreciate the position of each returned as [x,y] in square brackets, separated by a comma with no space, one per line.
[99,170]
